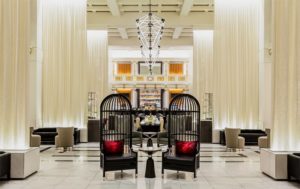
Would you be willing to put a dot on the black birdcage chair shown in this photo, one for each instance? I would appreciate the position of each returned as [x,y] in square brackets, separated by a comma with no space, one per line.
[183,135]
[116,134]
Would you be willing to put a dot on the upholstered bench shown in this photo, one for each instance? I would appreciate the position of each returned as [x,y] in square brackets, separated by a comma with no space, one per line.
[48,135]
[4,165]
[250,135]
[294,166]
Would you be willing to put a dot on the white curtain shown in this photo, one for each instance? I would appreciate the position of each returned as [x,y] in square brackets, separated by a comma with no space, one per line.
[286,49]
[64,91]
[237,54]
[14,57]
[202,64]
[97,64]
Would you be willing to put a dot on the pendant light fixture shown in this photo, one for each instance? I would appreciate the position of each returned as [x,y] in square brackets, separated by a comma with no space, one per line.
[150,29]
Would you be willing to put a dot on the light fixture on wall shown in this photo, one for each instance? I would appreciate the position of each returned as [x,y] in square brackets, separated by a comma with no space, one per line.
[32,49]
[150,29]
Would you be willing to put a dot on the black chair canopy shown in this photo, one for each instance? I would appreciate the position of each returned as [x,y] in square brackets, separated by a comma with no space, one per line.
[116,129]
[184,128]
[184,119]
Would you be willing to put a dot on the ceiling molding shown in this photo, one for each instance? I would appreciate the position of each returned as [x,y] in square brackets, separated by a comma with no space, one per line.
[165,42]
[186,7]
[114,7]
[102,20]
[123,33]
[118,17]
[177,32]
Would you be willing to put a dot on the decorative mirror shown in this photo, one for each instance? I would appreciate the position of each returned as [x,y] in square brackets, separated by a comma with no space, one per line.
[143,68]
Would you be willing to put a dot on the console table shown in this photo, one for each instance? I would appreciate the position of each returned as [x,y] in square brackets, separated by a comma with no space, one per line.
[93,130]
[206,131]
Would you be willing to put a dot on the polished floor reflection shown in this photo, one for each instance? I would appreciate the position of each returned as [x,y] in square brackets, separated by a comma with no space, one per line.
[79,169]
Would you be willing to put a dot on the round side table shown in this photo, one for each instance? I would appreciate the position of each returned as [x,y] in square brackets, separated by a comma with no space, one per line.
[150,169]
[149,136]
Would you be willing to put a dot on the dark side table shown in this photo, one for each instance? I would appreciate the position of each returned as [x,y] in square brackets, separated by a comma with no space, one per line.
[149,136]
[150,169]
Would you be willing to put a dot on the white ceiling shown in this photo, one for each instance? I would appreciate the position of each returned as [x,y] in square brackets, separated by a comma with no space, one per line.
[118,16]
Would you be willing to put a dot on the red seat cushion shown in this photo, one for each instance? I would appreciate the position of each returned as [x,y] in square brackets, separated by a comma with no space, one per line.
[186,147]
[114,147]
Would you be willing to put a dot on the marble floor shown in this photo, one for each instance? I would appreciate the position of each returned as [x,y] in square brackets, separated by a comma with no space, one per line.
[79,169]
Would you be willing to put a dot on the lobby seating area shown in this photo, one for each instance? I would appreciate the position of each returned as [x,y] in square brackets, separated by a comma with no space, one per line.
[35,140]
[250,136]
[184,135]
[218,169]
[48,135]
[233,140]
[265,141]
[65,138]
[149,94]
[116,135]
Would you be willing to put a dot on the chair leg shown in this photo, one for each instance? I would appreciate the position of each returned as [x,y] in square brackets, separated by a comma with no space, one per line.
[103,174]
[195,174]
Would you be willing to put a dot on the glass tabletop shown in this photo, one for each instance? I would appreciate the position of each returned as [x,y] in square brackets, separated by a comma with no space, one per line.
[149,149]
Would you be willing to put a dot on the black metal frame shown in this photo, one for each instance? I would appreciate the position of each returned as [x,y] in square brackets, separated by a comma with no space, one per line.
[184,125]
[116,124]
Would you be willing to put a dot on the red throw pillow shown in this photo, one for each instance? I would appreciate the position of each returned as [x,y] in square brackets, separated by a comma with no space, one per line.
[115,147]
[186,147]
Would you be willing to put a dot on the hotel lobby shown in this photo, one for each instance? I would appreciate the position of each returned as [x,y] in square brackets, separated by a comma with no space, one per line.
[149,94]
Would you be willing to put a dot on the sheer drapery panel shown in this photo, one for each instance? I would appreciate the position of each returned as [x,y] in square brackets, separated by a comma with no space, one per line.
[286,57]
[238,30]
[97,63]
[14,59]
[64,88]
[203,64]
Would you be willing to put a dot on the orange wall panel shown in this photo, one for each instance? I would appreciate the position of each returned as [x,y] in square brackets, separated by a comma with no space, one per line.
[124,69]
[176,69]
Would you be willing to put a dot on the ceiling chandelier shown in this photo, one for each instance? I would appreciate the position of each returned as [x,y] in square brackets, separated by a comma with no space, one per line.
[150,29]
